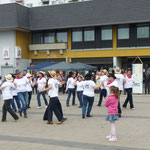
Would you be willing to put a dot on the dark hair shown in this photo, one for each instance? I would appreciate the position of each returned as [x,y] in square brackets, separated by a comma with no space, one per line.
[70,74]
[129,69]
[116,91]
[112,75]
[88,76]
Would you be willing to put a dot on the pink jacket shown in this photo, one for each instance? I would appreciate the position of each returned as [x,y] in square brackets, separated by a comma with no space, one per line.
[112,105]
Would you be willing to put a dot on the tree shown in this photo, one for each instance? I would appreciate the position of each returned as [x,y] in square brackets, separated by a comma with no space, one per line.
[73,0]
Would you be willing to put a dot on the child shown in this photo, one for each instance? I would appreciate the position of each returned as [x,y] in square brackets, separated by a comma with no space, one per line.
[7,88]
[112,108]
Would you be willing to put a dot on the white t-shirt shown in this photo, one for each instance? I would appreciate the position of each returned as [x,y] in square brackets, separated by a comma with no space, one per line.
[70,83]
[41,83]
[21,84]
[128,83]
[88,89]
[114,83]
[53,92]
[119,79]
[14,92]
[29,87]
[7,91]
[104,79]
[80,85]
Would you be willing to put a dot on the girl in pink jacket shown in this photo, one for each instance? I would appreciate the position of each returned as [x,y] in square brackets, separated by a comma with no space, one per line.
[112,108]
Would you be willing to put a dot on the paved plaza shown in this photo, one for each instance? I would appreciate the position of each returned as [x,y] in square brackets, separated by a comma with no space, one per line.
[133,129]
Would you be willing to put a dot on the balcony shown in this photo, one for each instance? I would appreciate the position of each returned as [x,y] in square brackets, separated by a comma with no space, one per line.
[48,47]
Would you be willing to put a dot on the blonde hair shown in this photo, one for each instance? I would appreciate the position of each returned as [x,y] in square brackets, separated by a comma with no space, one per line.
[115,90]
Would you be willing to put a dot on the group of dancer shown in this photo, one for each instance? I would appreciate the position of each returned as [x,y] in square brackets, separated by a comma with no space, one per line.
[19,88]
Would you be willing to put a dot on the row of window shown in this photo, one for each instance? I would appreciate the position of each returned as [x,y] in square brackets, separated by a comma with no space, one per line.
[88,35]
[52,37]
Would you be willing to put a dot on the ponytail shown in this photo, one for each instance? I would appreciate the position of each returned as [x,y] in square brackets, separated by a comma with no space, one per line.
[116,91]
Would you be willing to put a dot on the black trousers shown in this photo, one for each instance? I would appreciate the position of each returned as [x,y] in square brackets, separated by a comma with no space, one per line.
[119,107]
[7,108]
[129,98]
[54,106]
[29,97]
[103,93]
[147,87]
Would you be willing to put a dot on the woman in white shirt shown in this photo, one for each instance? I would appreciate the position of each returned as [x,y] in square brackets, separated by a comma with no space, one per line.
[21,83]
[53,87]
[41,83]
[128,88]
[7,88]
[70,88]
[30,84]
[103,91]
[88,95]
[15,98]
[79,85]
[120,81]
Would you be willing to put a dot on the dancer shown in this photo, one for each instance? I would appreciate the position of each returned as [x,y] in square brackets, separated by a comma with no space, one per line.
[7,88]
[15,98]
[30,84]
[79,85]
[112,108]
[128,88]
[103,81]
[53,87]
[41,86]
[111,82]
[21,83]
[70,88]
[88,95]
[120,80]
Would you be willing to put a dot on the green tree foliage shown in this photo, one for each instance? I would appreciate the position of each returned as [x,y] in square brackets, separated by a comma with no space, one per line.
[73,0]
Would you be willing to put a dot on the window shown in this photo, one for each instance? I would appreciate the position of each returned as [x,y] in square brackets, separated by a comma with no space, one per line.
[123,33]
[49,37]
[89,35]
[37,38]
[106,34]
[62,36]
[77,36]
[143,32]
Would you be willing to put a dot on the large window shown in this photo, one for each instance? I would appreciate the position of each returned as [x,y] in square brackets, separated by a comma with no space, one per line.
[143,32]
[77,36]
[106,34]
[49,37]
[89,35]
[37,38]
[123,33]
[62,37]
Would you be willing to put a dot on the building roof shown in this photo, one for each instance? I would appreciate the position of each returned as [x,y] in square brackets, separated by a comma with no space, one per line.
[72,15]
[14,15]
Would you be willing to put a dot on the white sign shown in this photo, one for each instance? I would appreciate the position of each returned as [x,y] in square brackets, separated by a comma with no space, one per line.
[17,52]
[137,70]
[6,52]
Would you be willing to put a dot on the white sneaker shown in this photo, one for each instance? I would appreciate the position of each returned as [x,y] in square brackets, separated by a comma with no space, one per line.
[108,137]
[39,107]
[113,139]
[133,108]
[46,106]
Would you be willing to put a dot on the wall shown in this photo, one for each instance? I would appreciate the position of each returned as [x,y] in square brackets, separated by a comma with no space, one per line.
[7,39]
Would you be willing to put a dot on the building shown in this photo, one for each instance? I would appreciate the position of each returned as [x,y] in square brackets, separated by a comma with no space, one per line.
[35,3]
[100,32]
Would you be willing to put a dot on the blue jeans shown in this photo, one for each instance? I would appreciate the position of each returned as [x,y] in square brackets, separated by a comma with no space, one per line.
[23,97]
[38,98]
[80,97]
[71,91]
[15,98]
[87,101]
